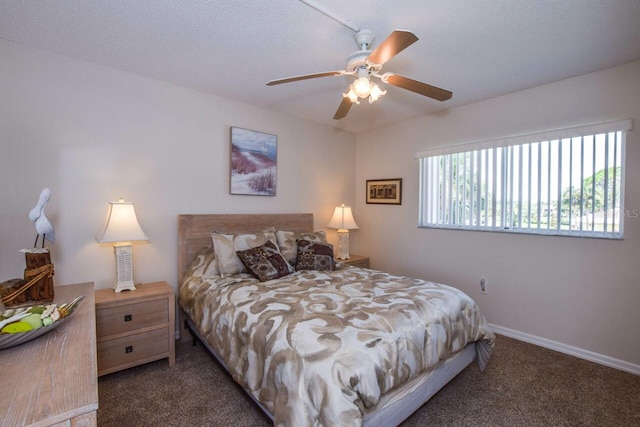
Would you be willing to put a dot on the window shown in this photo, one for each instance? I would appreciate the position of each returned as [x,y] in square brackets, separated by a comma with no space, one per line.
[563,182]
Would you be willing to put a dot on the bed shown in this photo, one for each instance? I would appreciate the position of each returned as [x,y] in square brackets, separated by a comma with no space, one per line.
[343,347]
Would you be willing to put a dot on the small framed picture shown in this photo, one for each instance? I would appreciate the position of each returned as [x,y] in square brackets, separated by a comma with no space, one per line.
[384,191]
[254,159]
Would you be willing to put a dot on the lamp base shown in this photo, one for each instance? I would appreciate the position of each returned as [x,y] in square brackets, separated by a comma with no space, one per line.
[124,267]
[343,244]
[119,287]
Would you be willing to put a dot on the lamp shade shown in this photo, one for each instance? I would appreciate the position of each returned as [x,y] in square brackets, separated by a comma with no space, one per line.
[342,219]
[121,224]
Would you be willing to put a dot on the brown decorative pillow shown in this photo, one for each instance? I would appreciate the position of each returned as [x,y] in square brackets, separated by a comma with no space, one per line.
[265,262]
[315,256]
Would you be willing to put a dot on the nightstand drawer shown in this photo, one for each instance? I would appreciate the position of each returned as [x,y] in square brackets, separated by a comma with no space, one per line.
[130,317]
[133,349]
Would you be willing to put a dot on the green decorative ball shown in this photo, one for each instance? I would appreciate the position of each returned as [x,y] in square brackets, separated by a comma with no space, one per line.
[16,327]
[34,320]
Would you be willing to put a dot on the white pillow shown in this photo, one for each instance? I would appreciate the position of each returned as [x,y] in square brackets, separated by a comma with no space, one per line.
[226,245]
[289,247]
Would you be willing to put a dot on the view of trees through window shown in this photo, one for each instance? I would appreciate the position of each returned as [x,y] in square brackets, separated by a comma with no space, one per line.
[562,186]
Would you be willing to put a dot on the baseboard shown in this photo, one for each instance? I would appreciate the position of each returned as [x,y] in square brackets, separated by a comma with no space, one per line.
[567,349]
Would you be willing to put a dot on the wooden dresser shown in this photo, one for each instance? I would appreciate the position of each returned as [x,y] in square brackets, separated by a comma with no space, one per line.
[135,327]
[52,379]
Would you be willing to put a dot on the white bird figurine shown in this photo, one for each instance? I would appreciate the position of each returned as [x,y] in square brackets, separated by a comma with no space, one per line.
[43,225]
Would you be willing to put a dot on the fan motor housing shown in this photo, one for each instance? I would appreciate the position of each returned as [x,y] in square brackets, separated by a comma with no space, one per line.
[357,59]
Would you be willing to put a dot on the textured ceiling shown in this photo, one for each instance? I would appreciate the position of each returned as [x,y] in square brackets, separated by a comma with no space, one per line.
[476,49]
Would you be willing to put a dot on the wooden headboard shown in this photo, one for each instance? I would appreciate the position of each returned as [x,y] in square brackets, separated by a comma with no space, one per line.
[194,231]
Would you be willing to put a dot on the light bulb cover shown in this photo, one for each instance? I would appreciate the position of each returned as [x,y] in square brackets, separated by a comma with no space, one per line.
[362,87]
[376,93]
[351,95]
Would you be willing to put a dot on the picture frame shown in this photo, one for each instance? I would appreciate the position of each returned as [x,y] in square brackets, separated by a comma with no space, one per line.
[384,191]
[253,162]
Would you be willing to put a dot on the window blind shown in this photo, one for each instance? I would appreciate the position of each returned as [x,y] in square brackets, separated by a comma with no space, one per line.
[568,181]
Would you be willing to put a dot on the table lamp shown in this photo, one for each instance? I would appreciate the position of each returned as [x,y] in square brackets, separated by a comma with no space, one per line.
[342,220]
[121,228]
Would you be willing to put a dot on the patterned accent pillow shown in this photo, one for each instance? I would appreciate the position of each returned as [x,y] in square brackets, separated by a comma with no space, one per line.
[226,245]
[315,256]
[265,262]
[289,247]
[203,265]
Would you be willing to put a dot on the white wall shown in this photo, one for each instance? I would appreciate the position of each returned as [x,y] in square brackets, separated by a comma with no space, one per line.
[581,293]
[94,134]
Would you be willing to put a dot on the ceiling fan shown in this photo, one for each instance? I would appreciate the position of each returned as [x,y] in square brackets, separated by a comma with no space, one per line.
[365,64]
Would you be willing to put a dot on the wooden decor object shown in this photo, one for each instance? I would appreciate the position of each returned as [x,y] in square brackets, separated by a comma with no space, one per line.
[36,287]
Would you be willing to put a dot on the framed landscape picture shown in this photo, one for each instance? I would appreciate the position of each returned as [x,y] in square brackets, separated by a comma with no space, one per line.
[384,191]
[253,162]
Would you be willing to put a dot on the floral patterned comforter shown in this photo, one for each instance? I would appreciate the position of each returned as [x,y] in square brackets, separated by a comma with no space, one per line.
[318,347]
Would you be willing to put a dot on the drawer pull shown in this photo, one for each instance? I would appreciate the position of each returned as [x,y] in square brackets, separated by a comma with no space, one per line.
[128,349]
[128,317]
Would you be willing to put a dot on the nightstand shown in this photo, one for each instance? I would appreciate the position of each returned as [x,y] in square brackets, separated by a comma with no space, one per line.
[135,327]
[356,261]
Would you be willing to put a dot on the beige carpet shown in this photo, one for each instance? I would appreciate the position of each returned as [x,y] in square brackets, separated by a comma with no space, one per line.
[524,385]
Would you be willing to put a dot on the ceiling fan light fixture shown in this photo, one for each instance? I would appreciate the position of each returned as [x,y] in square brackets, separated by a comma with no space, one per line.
[364,88]
[366,63]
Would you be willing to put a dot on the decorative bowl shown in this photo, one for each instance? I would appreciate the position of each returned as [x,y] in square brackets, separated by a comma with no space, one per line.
[12,340]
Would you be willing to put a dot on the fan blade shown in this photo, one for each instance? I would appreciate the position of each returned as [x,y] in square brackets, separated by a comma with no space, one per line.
[305,77]
[397,41]
[343,109]
[417,87]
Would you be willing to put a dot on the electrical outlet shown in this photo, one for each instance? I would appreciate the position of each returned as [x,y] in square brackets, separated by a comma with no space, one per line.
[483,286]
